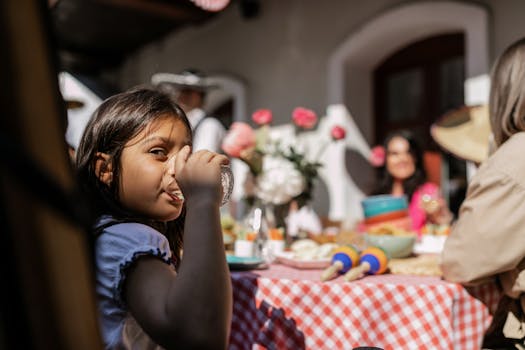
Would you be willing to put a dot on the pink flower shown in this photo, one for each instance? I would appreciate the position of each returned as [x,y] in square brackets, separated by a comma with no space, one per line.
[338,132]
[304,118]
[262,116]
[239,138]
[377,156]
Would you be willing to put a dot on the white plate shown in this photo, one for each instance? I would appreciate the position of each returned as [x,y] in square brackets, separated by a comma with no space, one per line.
[288,258]
[430,244]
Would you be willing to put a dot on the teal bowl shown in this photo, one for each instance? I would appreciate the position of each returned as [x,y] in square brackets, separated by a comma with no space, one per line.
[394,246]
[377,205]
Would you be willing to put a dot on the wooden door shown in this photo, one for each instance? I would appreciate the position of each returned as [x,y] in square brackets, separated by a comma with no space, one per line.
[417,84]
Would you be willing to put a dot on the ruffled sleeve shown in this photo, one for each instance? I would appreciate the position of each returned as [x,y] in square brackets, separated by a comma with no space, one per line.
[118,247]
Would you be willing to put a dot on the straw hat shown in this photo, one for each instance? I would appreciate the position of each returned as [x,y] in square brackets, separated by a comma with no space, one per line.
[188,79]
[464,132]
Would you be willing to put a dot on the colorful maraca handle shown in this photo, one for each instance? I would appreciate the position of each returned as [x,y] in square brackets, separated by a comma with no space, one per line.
[343,259]
[357,272]
[373,260]
[332,270]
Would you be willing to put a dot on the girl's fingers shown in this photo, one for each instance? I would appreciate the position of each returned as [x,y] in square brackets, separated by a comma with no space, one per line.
[182,158]
[210,157]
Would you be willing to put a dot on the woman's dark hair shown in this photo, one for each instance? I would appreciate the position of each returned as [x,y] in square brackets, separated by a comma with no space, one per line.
[411,184]
[116,121]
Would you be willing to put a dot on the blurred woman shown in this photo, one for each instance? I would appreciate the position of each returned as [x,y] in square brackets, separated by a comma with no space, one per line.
[403,173]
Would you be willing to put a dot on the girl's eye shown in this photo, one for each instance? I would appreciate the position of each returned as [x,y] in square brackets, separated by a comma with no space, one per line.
[158,152]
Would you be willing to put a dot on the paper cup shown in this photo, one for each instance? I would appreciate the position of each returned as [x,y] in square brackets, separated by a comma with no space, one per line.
[243,248]
[276,246]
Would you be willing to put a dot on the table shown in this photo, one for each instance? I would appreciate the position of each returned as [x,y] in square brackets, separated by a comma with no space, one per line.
[286,308]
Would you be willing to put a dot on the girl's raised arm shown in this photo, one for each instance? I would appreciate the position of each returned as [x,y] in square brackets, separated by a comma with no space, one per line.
[191,308]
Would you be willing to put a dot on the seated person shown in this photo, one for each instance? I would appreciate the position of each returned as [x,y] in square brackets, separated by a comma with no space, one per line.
[403,174]
[189,89]
[487,243]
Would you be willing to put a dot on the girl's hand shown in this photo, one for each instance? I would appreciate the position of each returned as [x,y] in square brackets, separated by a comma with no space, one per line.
[198,174]
[437,211]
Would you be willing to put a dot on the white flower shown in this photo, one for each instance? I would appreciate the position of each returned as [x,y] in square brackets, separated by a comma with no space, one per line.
[279,181]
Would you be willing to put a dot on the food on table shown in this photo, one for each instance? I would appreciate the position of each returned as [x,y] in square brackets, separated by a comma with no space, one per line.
[343,259]
[436,229]
[227,222]
[276,234]
[303,245]
[373,261]
[326,250]
[228,231]
[354,238]
[421,265]
[322,238]
[389,229]
[307,249]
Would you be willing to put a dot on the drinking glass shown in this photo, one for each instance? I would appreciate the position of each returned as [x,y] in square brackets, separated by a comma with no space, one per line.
[227,183]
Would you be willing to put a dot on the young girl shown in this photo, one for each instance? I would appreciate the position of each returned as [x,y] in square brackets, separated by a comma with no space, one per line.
[134,162]
[404,174]
[487,242]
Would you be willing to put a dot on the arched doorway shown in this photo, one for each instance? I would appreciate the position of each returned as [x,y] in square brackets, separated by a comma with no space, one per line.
[413,88]
[351,65]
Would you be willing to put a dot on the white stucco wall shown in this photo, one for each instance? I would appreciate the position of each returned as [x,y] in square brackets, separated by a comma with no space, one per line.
[282,54]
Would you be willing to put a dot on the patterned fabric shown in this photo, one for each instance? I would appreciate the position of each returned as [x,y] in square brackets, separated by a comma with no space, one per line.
[286,308]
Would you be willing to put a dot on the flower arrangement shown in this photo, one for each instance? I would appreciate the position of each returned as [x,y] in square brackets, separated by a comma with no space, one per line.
[377,156]
[279,171]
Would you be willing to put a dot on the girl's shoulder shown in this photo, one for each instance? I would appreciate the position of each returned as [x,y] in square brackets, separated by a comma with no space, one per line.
[127,236]
[118,246]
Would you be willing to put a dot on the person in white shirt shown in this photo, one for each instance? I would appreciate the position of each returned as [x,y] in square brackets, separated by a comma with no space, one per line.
[189,91]
[81,102]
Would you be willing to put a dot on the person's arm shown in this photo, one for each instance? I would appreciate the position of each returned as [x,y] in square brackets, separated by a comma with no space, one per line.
[440,214]
[191,308]
[434,206]
[489,236]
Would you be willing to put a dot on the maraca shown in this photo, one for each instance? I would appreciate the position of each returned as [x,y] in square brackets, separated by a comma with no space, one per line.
[373,261]
[343,259]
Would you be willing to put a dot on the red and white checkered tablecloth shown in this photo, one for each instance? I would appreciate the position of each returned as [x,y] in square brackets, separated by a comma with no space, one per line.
[286,308]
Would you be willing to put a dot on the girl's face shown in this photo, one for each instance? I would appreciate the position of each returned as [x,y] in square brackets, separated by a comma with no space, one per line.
[399,162]
[147,184]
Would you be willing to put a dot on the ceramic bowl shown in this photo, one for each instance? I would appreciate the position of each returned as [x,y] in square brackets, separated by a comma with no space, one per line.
[395,246]
[377,205]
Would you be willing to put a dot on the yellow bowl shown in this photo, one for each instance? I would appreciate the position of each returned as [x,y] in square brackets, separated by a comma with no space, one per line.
[394,246]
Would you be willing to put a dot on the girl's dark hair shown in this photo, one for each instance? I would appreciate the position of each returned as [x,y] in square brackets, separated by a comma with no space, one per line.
[411,184]
[116,121]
